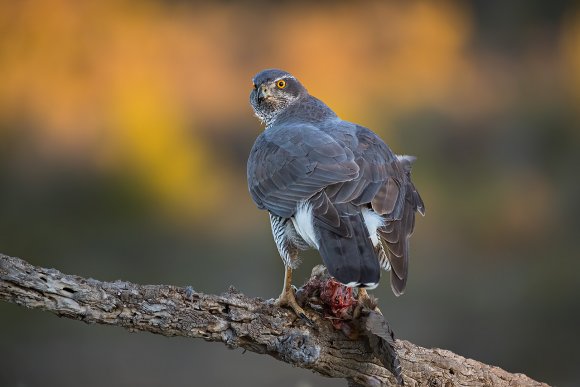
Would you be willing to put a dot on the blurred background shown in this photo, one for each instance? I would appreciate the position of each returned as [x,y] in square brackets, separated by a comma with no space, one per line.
[124,133]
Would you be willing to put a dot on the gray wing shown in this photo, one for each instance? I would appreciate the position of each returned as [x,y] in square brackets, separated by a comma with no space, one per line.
[291,163]
[381,179]
[384,184]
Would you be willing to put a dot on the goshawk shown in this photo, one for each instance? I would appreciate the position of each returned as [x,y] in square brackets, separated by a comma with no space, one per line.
[331,185]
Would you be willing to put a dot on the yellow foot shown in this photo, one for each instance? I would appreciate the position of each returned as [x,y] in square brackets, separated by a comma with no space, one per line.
[287,299]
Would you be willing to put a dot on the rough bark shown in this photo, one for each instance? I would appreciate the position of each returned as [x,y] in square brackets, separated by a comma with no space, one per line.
[238,322]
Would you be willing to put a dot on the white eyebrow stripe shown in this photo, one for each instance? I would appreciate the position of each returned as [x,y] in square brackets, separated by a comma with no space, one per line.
[284,77]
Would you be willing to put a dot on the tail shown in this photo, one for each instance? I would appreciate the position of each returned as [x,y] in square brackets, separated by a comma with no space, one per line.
[350,258]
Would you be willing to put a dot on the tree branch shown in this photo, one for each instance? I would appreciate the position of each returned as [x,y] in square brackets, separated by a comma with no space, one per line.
[238,322]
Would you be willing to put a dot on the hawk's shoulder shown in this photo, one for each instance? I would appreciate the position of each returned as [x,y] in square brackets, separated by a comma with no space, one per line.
[290,163]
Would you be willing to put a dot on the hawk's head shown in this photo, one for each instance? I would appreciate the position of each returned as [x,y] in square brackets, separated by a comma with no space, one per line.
[274,90]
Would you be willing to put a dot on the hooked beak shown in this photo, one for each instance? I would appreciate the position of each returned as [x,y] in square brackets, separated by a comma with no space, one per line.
[262,93]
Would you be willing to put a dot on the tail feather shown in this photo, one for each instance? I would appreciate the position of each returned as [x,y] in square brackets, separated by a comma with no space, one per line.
[351,260]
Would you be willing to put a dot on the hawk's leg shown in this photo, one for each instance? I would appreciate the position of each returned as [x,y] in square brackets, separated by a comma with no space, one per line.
[288,244]
[287,297]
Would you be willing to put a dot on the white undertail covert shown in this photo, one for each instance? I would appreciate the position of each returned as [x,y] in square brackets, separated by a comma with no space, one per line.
[303,222]
[373,221]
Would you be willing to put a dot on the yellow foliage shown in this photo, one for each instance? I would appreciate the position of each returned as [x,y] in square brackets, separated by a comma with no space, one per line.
[150,136]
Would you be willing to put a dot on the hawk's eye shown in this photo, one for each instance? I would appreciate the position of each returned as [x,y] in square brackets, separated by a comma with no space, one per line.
[281,84]
[254,86]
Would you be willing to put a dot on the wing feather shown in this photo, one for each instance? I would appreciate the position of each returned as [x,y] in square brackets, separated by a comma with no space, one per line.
[289,164]
[384,184]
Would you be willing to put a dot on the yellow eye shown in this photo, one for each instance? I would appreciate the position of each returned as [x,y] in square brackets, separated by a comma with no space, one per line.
[281,84]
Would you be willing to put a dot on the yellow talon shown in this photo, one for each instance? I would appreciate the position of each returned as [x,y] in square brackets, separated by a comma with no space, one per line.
[288,299]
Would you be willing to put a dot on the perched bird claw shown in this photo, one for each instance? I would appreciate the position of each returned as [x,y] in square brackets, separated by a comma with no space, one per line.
[287,299]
